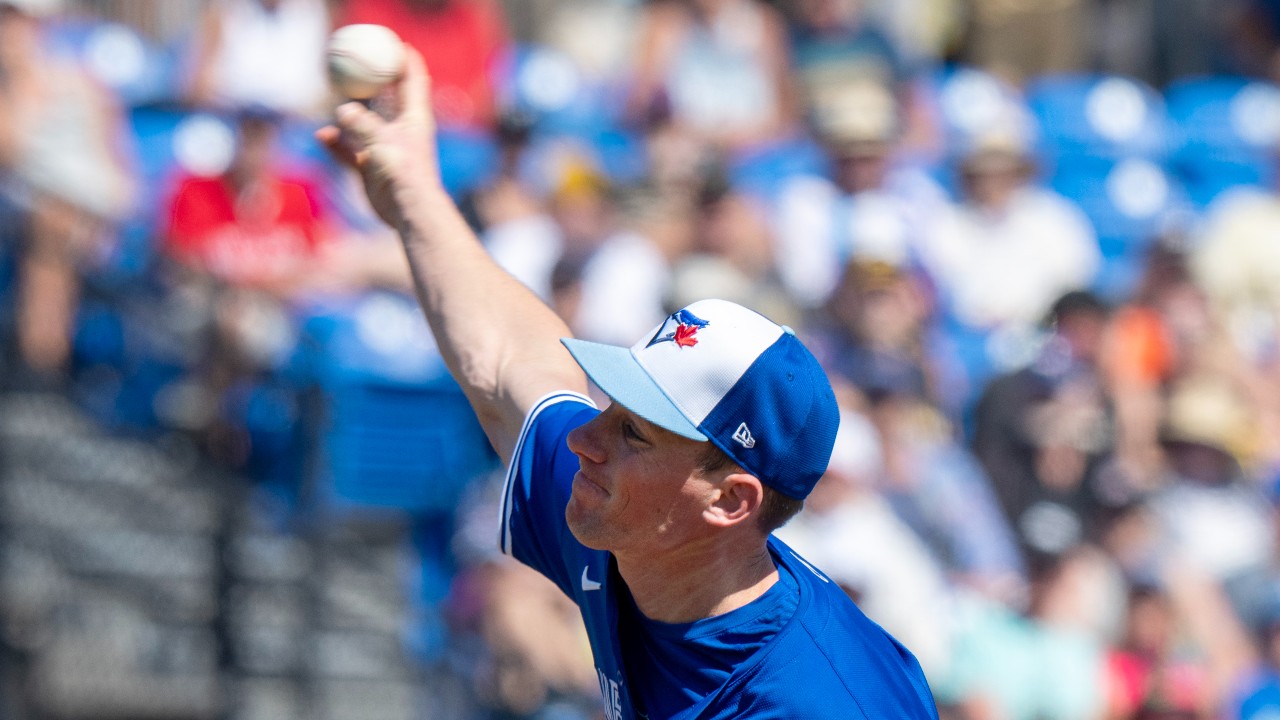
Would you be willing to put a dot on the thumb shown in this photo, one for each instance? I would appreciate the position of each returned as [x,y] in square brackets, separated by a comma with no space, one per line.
[331,137]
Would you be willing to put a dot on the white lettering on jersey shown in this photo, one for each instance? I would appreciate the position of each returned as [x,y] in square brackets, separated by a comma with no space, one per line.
[612,697]
[587,584]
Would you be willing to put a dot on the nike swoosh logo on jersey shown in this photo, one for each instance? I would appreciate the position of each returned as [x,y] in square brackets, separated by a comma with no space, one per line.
[587,584]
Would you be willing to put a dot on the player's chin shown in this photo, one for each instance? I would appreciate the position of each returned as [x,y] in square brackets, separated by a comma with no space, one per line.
[584,524]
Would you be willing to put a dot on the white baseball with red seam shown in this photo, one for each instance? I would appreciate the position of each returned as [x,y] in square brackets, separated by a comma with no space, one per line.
[363,59]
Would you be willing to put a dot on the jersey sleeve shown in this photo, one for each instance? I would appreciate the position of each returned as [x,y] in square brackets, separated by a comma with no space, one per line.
[539,479]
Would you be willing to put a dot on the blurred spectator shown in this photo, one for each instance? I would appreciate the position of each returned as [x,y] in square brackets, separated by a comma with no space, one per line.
[596,36]
[584,204]
[1046,663]
[840,43]
[1148,671]
[939,490]
[873,333]
[1159,334]
[1211,515]
[1020,40]
[249,226]
[732,257]
[1159,41]
[854,534]
[1222,667]
[462,42]
[835,38]
[516,228]
[1004,254]
[60,162]
[1043,433]
[526,648]
[624,285]
[719,69]
[678,161]
[1160,326]
[923,31]
[1252,34]
[539,652]
[1237,262]
[870,208]
[262,52]
[242,245]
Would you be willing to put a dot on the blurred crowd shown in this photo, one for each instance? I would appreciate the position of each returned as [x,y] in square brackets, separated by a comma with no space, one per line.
[1036,244]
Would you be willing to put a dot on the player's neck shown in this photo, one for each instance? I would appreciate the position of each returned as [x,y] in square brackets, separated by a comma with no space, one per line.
[693,583]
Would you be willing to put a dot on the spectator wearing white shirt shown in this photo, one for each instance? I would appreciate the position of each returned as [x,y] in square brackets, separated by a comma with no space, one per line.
[625,283]
[262,52]
[1009,248]
[868,208]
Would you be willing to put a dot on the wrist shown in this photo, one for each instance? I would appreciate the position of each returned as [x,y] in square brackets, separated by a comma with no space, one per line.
[423,211]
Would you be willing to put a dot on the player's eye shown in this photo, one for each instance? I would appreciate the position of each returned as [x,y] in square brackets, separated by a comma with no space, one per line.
[629,431]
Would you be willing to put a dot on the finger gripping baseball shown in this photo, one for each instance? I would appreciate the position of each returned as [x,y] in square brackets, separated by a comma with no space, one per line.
[358,122]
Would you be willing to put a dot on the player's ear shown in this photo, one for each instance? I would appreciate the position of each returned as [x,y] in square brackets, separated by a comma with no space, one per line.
[738,497]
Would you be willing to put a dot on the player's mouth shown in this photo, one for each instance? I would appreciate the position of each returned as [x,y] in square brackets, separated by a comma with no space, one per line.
[581,480]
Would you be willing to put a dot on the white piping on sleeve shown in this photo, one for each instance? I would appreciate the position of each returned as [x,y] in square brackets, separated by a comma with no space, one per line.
[546,401]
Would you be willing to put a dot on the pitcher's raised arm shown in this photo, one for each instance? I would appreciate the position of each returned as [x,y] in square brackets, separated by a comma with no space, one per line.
[499,340]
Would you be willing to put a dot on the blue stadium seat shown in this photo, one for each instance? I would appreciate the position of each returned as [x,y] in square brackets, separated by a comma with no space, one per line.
[136,69]
[762,170]
[1130,202]
[1227,134]
[544,84]
[166,143]
[1104,142]
[1103,116]
[397,434]
[468,159]
[565,108]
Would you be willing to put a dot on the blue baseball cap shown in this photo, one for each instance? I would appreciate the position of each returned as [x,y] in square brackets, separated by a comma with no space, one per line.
[715,371]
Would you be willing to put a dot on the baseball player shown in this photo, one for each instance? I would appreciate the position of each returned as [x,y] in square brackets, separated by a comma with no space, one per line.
[655,514]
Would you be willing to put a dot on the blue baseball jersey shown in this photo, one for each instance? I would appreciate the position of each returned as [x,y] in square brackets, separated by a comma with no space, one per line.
[825,660]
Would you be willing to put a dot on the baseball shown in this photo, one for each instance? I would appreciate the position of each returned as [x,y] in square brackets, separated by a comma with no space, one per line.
[362,59]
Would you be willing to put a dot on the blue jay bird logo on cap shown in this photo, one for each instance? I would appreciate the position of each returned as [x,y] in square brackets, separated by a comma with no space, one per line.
[681,328]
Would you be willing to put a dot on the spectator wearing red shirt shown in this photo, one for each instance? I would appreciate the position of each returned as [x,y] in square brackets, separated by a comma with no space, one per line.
[250,226]
[461,40]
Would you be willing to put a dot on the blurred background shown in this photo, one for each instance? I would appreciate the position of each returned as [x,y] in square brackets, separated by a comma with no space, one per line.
[1036,243]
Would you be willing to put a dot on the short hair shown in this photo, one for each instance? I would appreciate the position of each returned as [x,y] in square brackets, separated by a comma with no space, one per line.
[776,509]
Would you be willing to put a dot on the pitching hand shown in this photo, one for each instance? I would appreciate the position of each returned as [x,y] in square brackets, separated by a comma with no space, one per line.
[394,152]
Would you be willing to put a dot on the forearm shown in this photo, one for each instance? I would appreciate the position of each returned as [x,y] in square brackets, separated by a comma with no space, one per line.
[501,343]
[498,340]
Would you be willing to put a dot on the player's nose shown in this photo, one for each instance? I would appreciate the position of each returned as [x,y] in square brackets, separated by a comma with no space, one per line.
[585,440]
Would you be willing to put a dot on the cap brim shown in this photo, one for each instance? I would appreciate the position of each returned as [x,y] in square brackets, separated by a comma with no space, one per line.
[615,371]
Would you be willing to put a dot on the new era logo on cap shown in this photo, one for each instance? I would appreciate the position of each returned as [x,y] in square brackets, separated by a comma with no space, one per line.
[720,372]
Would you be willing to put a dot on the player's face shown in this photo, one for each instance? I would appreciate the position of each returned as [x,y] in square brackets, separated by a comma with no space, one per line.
[639,488]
